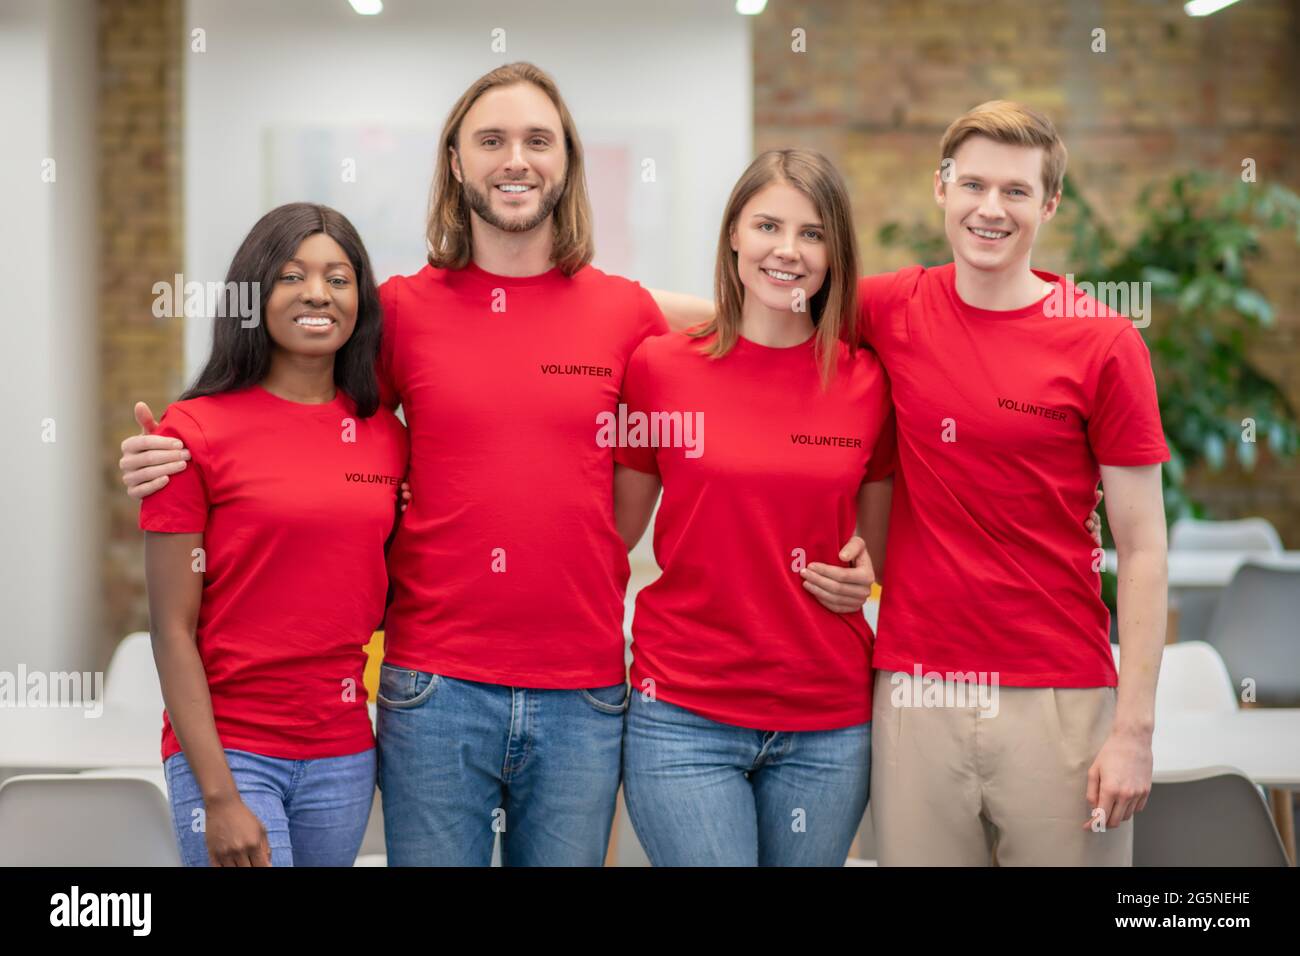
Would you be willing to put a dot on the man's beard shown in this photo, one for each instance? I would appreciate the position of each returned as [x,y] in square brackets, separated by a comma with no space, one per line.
[482,204]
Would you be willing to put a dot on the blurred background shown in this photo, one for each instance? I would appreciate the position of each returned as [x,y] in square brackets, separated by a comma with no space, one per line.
[142,138]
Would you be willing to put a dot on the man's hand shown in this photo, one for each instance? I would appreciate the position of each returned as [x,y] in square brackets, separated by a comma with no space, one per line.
[1093,524]
[1119,780]
[147,459]
[406,494]
[842,590]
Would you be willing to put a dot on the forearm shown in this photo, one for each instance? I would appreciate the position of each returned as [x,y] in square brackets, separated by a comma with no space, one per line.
[1143,600]
[189,707]
[682,311]
[635,494]
[874,500]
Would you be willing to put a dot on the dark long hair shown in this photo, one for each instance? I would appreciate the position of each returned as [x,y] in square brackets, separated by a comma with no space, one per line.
[241,357]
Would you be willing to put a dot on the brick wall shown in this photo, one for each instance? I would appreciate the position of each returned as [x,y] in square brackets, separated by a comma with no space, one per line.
[880,81]
[141,43]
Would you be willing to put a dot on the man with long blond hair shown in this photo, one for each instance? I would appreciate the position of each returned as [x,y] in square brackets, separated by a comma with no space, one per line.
[503,687]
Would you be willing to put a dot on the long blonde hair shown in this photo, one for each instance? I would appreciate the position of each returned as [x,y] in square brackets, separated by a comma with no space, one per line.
[448,230]
[834,308]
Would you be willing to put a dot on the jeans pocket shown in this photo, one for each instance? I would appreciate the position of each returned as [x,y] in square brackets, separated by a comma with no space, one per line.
[401,688]
[608,700]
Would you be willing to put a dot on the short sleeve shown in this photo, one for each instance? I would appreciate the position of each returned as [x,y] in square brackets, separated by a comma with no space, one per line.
[389,395]
[1124,427]
[884,456]
[879,297]
[636,399]
[181,505]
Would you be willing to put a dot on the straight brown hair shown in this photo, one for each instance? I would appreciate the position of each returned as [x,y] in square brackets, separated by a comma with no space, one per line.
[448,230]
[1013,124]
[834,307]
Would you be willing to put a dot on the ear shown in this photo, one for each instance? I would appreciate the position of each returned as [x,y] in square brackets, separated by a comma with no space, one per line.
[454,159]
[939,195]
[1050,207]
[731,233]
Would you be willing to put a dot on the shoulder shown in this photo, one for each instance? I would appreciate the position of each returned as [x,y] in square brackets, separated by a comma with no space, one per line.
[1093,322]
[886,287]
[422,282]
[620,289]
[669,347]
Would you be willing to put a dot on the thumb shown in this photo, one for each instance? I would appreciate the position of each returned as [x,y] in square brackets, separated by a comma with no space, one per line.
[864,561]
[854,547]
[144,417]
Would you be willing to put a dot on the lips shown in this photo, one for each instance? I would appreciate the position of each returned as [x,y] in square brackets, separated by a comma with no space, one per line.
[514,189]
[988,235]
[780,275]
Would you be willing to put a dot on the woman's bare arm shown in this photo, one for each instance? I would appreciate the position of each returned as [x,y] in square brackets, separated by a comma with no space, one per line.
[635,494]
[235,837]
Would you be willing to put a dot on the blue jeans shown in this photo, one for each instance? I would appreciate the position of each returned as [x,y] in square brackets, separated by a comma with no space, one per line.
[460,761]
[702,793]
[314,811]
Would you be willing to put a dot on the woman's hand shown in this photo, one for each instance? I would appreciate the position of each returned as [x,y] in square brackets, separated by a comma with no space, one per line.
[235,835]
[842,590]
[406,495]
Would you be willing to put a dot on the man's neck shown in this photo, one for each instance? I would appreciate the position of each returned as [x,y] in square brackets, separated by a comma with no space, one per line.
[1002,291]
[514,254]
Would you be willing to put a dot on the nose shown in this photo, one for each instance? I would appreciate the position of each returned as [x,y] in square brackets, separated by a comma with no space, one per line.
[516,162]
[991,205]
[315,291]
[785,246]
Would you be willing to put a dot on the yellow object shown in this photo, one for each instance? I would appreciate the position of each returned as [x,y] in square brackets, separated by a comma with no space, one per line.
[374,657]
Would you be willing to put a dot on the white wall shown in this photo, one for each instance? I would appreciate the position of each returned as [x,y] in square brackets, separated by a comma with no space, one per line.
[682,65]
[50,536]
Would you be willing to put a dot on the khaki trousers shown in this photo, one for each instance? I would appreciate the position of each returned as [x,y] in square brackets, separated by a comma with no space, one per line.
[950,787]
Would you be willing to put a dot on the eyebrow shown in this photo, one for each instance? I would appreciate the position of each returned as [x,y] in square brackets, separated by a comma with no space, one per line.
[328,265]
[1019,183]
[501,132]
[778,219]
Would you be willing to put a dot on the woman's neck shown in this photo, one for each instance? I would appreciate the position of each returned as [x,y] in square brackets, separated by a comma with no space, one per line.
[308,379]
[775,328]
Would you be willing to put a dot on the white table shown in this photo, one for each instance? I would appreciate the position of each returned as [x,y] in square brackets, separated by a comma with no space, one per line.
[1261,742]
[65,739]
[1213,569]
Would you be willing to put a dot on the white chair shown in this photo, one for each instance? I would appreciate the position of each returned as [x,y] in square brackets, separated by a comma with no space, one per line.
[132,679]
[105,819]
[1193,678]
[1246,534]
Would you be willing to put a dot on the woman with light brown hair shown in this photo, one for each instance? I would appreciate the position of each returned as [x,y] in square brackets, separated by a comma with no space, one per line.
[748,740]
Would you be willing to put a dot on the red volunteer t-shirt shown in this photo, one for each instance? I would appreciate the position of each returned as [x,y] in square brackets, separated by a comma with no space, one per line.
[508,567]
[727,630]
[1003,419]
[295,502]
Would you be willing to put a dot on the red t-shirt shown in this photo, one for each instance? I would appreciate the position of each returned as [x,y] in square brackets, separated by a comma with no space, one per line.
[508,567]
[1003,421]
[728,630]
[295,503]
